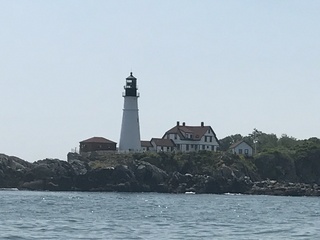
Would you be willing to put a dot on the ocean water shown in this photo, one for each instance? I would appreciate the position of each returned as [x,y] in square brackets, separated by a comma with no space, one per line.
[83,215]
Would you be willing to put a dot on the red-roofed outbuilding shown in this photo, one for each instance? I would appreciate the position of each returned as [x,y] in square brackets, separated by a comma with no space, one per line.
[97,144]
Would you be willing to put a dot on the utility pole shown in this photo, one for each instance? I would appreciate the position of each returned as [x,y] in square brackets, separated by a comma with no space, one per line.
[255,140]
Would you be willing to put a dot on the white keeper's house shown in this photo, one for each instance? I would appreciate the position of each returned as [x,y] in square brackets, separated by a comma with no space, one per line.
[185,139]
[193,138]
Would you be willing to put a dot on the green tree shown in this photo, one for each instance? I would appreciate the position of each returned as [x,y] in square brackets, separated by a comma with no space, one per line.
[226,142]
[262,141]
[287,142]
[307,159]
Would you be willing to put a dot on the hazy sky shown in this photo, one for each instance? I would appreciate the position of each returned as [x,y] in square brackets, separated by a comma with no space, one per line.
[236,65]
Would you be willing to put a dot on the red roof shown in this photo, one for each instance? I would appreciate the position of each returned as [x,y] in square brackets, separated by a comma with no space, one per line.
[146,144]
[196,131]
[97,140]
[162,142]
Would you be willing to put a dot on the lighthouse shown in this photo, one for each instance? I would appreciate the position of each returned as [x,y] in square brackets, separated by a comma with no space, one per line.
[130,129]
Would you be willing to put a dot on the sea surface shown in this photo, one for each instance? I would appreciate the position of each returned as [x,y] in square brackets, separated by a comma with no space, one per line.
[83,215]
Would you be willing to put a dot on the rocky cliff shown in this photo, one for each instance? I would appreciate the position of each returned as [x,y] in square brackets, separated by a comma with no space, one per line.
[201,172]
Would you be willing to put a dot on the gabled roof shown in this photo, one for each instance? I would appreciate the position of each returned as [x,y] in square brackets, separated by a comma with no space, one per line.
[238,143]
[197,132]
[163,142]
[97,140]
[146,144]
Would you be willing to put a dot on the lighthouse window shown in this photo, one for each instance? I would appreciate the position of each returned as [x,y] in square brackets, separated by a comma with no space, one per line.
[129,83]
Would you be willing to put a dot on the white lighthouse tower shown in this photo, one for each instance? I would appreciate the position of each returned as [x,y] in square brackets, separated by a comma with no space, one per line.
[130,129]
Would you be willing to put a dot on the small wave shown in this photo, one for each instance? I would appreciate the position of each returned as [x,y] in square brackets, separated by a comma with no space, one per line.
[233,194]
[9,189]
[189,193]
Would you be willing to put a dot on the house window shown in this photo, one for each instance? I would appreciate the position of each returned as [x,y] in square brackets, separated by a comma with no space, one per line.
[212,148]
[175,136]
[207,147]
[203,147]
[210,138]
[178,146]
[240,151]
[161,148]
[246,151]
[187,147]
[191,146]
[205,138]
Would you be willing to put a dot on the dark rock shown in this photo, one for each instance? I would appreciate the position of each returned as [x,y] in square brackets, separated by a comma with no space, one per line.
[122,174]
[33,185]
[216,184]
[125,174]
[12,171]
[54,173]
[51,168]
[94,179]
[149,174]
[79,167]
[271,187]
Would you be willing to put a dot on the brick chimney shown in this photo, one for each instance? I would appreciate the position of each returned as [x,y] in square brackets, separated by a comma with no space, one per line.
[183,124]
[178,123]
[202,124]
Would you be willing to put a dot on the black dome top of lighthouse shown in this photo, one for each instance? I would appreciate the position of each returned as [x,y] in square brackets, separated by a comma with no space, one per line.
[131,77]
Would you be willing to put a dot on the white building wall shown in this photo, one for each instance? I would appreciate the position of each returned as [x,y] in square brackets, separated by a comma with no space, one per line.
[161,149]
[241,149]
[195,145]
[130,129]
[149,149]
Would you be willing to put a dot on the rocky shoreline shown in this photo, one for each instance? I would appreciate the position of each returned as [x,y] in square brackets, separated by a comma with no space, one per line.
[129,174]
